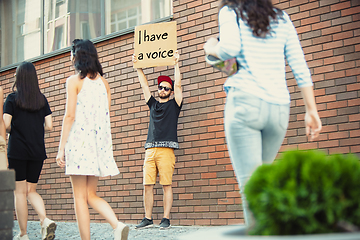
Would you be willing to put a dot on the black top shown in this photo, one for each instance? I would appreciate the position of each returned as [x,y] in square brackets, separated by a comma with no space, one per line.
[163,124]
[26,140]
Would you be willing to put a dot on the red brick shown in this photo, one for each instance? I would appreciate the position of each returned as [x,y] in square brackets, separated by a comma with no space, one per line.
[226,201]
[331,30]
[350,11]
[350,26]
[355,149]
[312,49]
[353,87]
[299,2]
[343,35]
[328,98]
[201,7]
[344,65]
[227,215]
[283,5]
[313,5]
[354,118]
[185,196]
[355,133]
[338,104]
[309,145]
[338,135]
[332,45]
[310,20]
[324,114]
[349,126]
[323,54]
[320,11]
[303,29]
[334,75]
[352,41]
[350,141]
[353,72]
[354,102]
[333,60]
[329,144]
[321,25]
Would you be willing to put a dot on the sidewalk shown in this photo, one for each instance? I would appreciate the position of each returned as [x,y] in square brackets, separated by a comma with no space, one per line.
[103,231]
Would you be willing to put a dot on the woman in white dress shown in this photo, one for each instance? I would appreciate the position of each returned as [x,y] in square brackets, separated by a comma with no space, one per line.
[85,148]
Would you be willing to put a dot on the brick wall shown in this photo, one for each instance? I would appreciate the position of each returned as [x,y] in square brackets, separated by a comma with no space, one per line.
[205,189]
[330,36]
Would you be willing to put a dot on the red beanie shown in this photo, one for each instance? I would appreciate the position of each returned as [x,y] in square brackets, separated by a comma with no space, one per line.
[166,79]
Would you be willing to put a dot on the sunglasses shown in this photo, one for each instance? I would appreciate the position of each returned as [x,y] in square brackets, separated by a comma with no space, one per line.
[165,88]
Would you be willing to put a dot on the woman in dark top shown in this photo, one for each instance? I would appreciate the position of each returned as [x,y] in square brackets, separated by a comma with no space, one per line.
[3,159]
[27,116]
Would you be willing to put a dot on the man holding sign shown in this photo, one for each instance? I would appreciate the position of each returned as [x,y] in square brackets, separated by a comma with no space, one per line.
[161,141]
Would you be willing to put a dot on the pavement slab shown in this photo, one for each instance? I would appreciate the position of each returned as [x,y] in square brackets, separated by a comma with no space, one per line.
[103,231]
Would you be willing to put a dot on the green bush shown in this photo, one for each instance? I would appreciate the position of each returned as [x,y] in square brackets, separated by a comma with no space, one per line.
[305,192]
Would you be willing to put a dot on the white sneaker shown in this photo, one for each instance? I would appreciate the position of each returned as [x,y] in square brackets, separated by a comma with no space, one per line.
[48,229]
[121,232]
[24,237]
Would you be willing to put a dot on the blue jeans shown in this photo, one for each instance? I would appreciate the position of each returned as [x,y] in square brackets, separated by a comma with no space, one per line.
[254,131]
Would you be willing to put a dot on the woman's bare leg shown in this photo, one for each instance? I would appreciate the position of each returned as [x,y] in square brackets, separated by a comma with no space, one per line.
[21,207]
[99,204]
[79,186]
[36,201]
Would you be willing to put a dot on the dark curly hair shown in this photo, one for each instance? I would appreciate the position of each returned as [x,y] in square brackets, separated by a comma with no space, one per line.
[86,60]
[26,87]
[257,13]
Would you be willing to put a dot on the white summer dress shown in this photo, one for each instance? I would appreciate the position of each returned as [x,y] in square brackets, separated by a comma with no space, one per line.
[88,150]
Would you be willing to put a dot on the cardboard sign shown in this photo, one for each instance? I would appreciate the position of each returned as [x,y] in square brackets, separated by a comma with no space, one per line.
[155,44]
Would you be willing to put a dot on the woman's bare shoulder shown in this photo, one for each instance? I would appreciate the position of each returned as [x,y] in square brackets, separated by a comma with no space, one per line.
[106,83]
[73,79]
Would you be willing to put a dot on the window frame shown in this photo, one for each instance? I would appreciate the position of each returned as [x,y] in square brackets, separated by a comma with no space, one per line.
[68,49]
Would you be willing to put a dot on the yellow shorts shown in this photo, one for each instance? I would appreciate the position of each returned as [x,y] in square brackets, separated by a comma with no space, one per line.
[158,160]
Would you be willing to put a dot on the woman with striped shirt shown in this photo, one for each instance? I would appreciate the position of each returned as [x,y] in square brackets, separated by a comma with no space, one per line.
[261,37]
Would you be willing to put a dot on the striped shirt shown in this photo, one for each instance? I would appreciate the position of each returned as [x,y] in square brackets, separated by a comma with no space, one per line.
[262,60]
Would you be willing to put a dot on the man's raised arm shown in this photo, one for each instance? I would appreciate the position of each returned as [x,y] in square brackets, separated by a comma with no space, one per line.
[143,81]
[177,83]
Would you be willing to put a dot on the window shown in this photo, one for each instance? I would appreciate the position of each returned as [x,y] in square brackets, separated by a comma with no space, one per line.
[31,28]
[21,30]
[125,18]
[59,43]
[85,31]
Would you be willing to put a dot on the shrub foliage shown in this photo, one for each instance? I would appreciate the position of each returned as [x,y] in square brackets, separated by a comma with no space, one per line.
[305,192]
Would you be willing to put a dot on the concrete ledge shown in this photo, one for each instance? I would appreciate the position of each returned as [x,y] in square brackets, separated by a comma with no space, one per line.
[6,220]
[7,200]
[7,180]
[239,232]
[6,235]
[7,187]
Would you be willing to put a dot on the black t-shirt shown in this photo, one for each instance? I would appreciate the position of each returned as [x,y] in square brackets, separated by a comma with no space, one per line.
[163,124]
[26,140]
